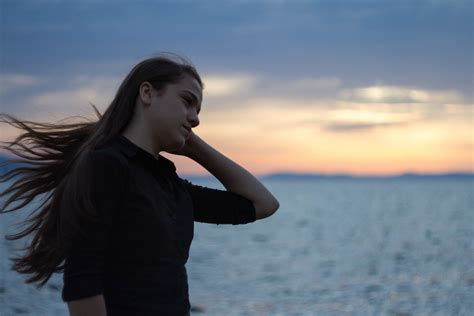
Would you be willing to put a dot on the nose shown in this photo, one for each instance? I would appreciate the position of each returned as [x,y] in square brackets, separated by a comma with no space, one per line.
[194,119]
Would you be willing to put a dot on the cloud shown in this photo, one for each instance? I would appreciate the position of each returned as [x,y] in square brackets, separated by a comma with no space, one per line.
[226,85]
[349,127]
[373,115]
[316,83]
[11,82]
[451,108]
[265,102]
[71,100]
[322,103]
[400,94]
[355,119]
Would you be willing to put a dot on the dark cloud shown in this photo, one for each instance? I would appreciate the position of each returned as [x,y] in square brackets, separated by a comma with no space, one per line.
[427,44]
[356,127]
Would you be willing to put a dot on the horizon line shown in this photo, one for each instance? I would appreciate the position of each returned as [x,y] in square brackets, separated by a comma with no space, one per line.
[409,174]
[311,174]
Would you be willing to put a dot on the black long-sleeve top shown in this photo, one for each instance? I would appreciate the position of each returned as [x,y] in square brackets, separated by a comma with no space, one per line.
[135,255]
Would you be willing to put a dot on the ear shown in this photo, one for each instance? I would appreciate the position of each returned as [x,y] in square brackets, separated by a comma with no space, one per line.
[145,92]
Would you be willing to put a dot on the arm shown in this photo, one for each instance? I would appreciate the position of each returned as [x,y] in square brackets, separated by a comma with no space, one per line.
[234,178]
[214,206]
[90,306]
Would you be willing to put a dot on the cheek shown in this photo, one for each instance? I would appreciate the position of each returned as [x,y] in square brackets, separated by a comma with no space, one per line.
[166,120]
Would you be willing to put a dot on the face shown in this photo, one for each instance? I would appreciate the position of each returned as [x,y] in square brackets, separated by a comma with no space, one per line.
[171,114]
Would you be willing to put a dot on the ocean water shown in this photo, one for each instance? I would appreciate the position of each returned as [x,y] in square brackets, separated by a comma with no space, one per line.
[335,247]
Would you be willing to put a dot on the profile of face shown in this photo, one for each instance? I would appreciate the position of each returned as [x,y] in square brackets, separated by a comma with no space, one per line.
[171,113]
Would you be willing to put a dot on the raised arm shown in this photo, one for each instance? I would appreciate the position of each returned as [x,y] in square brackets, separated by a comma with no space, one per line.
[234,178]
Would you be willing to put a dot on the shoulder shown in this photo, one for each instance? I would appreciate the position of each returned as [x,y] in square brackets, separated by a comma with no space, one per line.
[107,163]
[109,155]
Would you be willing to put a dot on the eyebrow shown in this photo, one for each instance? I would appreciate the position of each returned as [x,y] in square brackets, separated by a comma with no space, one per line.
[194,97]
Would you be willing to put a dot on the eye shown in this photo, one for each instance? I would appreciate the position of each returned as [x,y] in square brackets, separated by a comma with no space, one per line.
[187,101]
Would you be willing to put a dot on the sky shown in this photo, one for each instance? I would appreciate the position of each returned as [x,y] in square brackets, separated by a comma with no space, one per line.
[358,87]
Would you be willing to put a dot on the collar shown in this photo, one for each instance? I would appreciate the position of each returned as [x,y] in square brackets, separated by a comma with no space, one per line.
[131,150]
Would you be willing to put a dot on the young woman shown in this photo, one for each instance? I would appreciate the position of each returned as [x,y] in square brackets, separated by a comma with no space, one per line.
[118,220]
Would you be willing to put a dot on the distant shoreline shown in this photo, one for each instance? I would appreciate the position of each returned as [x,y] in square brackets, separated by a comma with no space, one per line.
[318,176]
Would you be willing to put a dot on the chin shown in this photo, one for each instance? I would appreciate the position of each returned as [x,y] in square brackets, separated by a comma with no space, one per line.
[179,144]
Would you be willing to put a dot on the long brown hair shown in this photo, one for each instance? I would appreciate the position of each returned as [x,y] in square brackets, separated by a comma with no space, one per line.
[54,155]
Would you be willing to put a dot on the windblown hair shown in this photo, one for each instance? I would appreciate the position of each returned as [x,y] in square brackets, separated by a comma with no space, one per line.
[55,155]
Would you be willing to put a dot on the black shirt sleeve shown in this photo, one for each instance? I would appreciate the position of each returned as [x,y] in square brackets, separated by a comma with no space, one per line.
[84,261]
[219,206]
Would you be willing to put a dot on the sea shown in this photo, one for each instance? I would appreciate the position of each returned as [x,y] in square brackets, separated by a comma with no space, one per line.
[389,246]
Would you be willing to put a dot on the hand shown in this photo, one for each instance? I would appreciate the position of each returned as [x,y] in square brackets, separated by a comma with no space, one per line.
[187,148]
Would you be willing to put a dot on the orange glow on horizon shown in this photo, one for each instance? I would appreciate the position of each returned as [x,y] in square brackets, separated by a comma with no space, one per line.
[267,135]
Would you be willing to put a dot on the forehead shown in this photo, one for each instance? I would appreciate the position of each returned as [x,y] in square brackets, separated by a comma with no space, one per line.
[189,83]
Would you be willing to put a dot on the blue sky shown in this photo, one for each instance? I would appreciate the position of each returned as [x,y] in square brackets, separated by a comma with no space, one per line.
[427,43]
[291,50]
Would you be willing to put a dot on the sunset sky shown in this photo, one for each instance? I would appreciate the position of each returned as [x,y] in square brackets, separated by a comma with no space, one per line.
[358,87]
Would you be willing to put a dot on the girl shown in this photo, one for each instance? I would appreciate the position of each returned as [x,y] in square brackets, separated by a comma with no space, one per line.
[118,221]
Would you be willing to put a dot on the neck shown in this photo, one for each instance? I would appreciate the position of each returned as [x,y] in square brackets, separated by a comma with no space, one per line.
[141,141]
